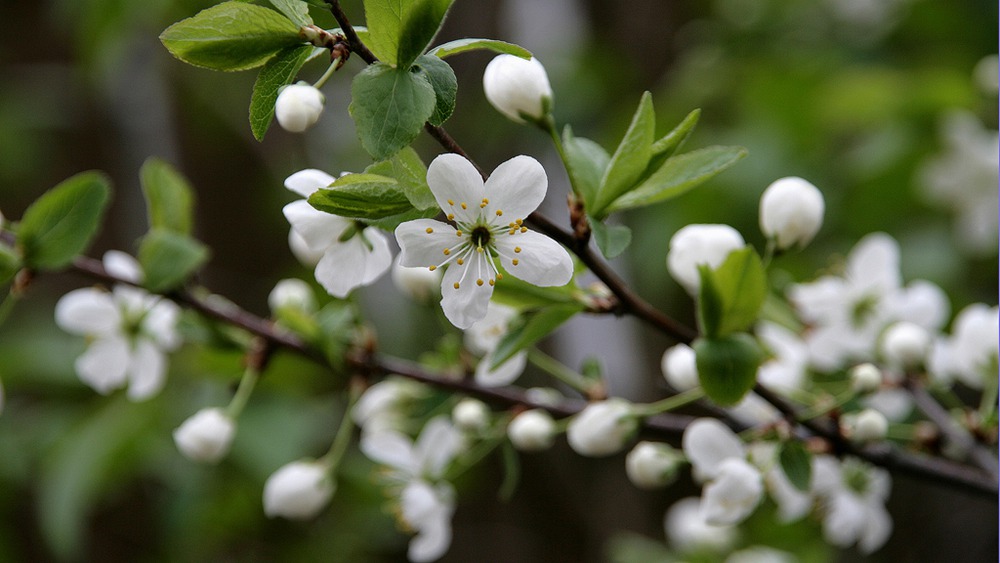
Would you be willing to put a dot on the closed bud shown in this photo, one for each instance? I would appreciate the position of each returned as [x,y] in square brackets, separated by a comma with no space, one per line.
[298,107]
[602,428]
[700,244]
[865,378]
[518,88]
[471,415]
[791,212]
[906,344]
[868,425]
[651,465]
[298,490]
[205,436]
[292,293]
[532,431]
[680,368]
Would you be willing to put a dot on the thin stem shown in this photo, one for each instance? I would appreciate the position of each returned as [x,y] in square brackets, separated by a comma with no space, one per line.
[349,32]
[549,125]
[247,383]
[344,432]
[558,370]
[671,403]
[334,65]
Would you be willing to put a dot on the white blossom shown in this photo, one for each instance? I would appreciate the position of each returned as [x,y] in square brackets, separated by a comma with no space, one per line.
[532,430]
[733,487]
[602,428]
[791,212]
[291,293]
[785,371]
[865,378]
[490,233]
[518,88]
[352,255]
[868,425]
[483,337]
[986,76]
[680,368]
[298,490]
[471,415]
[382,405]
[905,344]
[129,330]
[695,245]
[688,531]
[652,465]
[206,436]
[298,107]
[853,502]
[970,353]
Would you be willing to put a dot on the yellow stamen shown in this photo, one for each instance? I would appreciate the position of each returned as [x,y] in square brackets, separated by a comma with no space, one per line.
[460,261]
[479,249]
[446,252]
[499,276]
[499,213]
[517,249]
[492,283]
[459,233]
[519,221]
[512,231]
[514,261]
[463,205]
[432,268]
[429,230]
[451,216]
[451,202]
[524,229]
[456,285]
[486,200]
[479,282]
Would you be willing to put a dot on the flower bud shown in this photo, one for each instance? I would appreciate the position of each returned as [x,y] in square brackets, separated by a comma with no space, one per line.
[298,107]
[905,344]
[700,244]
[420,284]
[733,494]
[679,367]
[206,435]
[518,88]
[866,426]
[865,378]
[602,428]
[298,490]
[791,212]
[652,465]
[291,293]
[471,415]
[532,431]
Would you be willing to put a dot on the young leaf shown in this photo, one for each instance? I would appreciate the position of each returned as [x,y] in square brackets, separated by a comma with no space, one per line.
[727,366]
[295,10]
[679,174]
[362,196]
[586,162]
[168,259]
[61,223]
[279,71]
[421,24]
[710,303]
[667,145]
[10,263]
[537,325]
[612,240]
[384,19]
[411,173]
[630,159]
[470,44]
[230,36]
[169,199]
[442,79]
[797,464]
[389,108]
[517,293]
[742,282]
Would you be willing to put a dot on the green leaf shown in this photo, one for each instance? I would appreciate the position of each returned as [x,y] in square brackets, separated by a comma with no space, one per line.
[384,19]
[586,162]
[295,10]
[362,196]
[710,302]
[612,240]
[279,71]
[518,293]
[630,159]
[796,462]
[411,173]
[422,22]
[667,145]
[535,326]
[679,174]
[389,223]
[230,36]
[727,366]
[61,223]
[511,471]
[389,107]
[168,259]
[731,299]
[10,263]
[169,198]
[472,44]
[442,78]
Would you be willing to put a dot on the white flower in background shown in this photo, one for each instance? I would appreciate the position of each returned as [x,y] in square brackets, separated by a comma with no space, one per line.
[905,344]
[518,88]
[416,469]
[291,293]
[785,371]
[298,107]
[490,220]
[688,531]
[298,490]
[602,428]
[753,410]
[532,431]
[471,415]
[383,405]
[891,400]
[791,212]
[986,75]
[733,487]
[419,284]
[865,378]
[869,425]
[852,496]
[129,330]
[206,436]
[970,353]
[694,245]
[483,337]
[847,313]
[793,504]
[761,554]
[352,255]
[964,177]
[652,465]
[680,368]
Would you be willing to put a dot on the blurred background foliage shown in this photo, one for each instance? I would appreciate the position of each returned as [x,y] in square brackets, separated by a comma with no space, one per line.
[850,94]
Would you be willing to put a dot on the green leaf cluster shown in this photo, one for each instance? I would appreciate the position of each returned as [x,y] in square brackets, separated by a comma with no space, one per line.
[532,327]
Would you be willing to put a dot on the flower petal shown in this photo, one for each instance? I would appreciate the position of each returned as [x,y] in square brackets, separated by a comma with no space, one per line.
[103,365]
[121,265]
[345,265]
[874,264]
[146,371]
[317,228]
[516,187]
[452,178]
[466,304]
[540,260]
[432,541]
[305,182]
[379,259]
[88,311]
[160,324]
[437,445]
[733,495]
[390,448]
[707,443]
[504,374]
[420,248]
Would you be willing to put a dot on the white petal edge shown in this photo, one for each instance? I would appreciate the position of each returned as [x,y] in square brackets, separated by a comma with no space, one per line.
[466,305]
[88,311]
[541,260]
[707,443]
[418,248]
[306,182]
[319,230]
[504,374]
[516,187]
[146,371]
[453,177]
[103,366]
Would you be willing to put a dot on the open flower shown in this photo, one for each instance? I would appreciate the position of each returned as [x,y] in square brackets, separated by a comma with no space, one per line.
[352,255]
[852,497]
[733,487]
[129,330]
[486,231]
